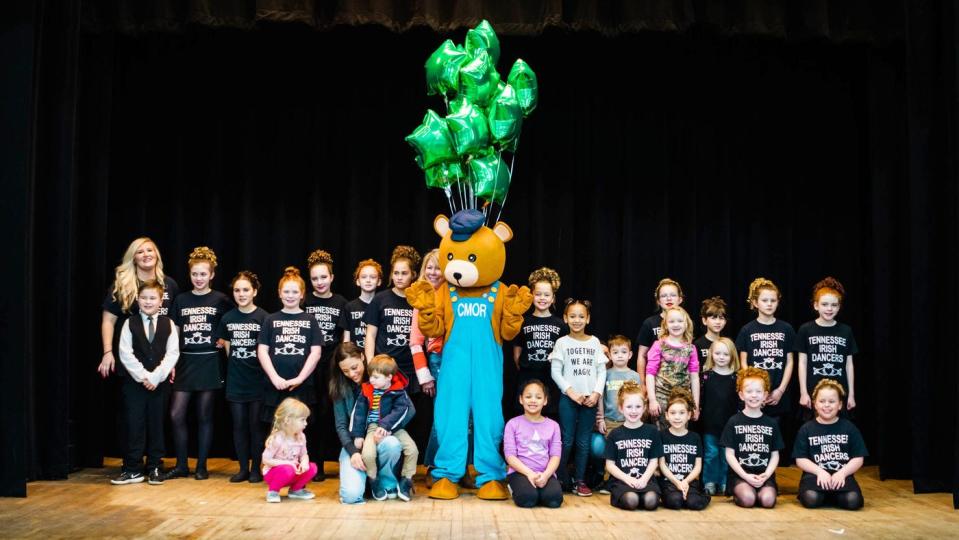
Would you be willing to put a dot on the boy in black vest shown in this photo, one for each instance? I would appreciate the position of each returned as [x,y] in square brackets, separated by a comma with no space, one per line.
[149,349]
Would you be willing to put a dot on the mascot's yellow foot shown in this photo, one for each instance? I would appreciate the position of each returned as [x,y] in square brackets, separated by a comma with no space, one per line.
[494,490]
[444,489]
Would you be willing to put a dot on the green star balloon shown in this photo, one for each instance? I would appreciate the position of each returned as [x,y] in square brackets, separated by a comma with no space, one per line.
[432,141]
[505,116]
[455,104]
[443,175]
[490,177]
[479,79]
[483,38]
[522,78]
[469,129]
[443,68]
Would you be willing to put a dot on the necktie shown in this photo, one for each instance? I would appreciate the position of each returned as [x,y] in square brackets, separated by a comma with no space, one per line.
[151,330]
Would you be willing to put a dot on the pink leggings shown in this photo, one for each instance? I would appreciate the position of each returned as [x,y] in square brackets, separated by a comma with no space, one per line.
[284,475]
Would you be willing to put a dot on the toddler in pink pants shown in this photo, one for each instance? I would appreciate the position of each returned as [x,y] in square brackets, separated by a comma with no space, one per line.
[285,461]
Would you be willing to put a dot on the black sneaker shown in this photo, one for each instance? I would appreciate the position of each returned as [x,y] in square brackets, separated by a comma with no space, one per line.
[256,476]
[320,473]
[127,478]
[241,476]
[156,477]
[404,490]
[176,473]
[201,474]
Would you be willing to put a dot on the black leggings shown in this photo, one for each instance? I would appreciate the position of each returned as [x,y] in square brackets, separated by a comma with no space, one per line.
[247,434]
[179,403]
[632,500]
[527,496]
[747,496]
[695,499]
[847,500]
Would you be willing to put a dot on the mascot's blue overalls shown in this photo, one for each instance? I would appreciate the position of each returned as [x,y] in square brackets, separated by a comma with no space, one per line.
[472,365]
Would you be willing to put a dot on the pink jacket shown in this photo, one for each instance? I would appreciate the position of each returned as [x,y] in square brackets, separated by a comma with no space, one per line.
[417,340]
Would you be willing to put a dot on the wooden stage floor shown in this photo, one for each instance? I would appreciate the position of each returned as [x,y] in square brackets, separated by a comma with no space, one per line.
[87,505]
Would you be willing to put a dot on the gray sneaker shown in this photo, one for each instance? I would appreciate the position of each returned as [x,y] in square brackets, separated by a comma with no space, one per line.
[302,494]
[272,496]
[710,489]
[127,478]
[405,489]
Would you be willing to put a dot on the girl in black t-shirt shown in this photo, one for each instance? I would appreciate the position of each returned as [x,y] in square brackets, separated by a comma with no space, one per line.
[719,402]
[752,442]
[668,294]
[682,461]
[632,452]
[826,346]
[238,333]
[326,307]
[537,336]
[289,348]
[767,343]
[713,316]
[368,276]
[389,321]
[389,316]
[198,374]
[829,450]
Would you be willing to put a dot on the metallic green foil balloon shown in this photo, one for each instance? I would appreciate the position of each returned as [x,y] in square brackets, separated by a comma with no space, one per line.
[479,80]
[443,67]
[522,78]
[432,140]
[455,104]
[490,177]
[443,175]
[483,38]
[505,116]
[469,129]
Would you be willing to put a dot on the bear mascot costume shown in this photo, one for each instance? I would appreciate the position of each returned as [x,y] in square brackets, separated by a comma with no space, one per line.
[474,313]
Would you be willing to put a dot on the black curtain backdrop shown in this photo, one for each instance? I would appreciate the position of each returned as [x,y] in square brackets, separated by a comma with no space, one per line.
[711,155]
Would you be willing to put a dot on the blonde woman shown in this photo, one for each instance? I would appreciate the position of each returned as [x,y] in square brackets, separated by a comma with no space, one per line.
[141,263]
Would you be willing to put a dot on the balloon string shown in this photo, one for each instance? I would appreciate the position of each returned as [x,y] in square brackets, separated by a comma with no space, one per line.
[449,198]
[502,205]
[499,163]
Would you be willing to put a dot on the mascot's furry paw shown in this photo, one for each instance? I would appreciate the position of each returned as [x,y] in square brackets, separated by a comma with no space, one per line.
[516,300]
[421,296]
[444,489]
[494,490]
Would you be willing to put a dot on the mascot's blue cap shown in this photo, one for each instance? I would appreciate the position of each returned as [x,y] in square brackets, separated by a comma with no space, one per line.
[465,222]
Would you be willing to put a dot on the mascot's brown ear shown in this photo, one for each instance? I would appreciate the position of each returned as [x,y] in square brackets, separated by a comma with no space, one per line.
[503,231]
[441,225]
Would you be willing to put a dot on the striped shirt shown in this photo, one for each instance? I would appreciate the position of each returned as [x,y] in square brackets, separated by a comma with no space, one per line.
[374,414]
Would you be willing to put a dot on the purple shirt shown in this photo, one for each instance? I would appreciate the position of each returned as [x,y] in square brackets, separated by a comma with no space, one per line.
[532,442]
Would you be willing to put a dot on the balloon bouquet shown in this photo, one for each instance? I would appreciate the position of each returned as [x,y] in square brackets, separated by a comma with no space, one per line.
[462,152]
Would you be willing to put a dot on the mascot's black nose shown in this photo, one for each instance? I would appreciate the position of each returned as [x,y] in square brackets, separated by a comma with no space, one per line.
[457,276]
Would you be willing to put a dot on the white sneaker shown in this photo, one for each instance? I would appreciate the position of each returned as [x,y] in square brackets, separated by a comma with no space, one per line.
[272,496]
[302,494]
